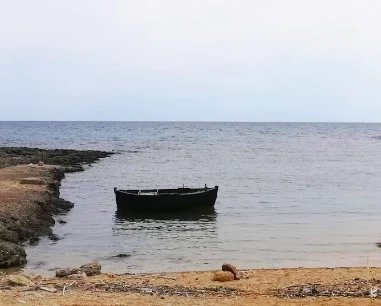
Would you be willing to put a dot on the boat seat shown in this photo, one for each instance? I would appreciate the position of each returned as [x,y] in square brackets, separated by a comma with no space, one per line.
[149,192]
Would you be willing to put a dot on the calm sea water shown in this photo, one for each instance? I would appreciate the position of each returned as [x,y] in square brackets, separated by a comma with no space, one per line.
[291,194]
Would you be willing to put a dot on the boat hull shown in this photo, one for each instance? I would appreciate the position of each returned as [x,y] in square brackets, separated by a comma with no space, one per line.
[168,200]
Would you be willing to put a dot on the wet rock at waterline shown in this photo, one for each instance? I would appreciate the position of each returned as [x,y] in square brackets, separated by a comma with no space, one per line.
[54,237]
[34,240]
[122,255]
[11,255]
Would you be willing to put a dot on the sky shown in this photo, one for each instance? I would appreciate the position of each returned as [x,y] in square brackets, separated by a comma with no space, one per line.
[199,60]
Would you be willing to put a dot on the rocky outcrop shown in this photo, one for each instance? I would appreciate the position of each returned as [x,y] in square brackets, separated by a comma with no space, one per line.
[34,214]
[11,255]
[11,156]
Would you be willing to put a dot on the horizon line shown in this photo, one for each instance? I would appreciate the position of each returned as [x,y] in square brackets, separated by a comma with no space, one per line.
[195,121]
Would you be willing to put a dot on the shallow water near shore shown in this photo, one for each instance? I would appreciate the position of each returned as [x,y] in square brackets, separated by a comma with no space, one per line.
[290,195]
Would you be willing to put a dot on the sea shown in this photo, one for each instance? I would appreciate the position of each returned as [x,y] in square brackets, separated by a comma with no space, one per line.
[290,194]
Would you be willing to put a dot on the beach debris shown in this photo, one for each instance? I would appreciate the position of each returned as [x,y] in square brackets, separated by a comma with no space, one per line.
[77,276]
[40,163]
[90,269]
[223,276]
[374,292]
[48,289]
[352,288]
[166,277]
[230,268]
[145,288]
[19,280]
[378,244]
[243,275]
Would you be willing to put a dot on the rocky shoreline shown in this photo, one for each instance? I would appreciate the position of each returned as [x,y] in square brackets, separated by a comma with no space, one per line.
[30,179]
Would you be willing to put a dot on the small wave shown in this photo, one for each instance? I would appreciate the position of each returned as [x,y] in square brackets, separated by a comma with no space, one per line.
[376,137]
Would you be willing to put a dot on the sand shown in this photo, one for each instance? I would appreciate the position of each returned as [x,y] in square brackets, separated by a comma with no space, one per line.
[258,289]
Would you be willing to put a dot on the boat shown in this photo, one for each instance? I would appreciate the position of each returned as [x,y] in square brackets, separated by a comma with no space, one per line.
[165,200]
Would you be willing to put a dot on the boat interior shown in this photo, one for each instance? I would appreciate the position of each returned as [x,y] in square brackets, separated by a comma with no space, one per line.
[165,191]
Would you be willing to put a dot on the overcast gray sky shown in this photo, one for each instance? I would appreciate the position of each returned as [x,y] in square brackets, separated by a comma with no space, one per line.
[198,60]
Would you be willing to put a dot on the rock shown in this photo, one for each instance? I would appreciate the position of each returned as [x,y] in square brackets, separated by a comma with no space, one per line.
[53,237]
[122,255]
[40,163]
[7,234]
[92,268]
[19,280]
[33,181]
[11,255]
[34,240]
[230,268]
[60,221]
[223,276]
[77,276]
[66,272]
[242,275]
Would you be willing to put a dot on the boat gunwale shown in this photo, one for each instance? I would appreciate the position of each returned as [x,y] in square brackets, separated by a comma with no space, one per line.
[201,190]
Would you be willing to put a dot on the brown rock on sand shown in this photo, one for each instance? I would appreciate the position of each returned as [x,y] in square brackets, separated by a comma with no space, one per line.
[230,268]
[223,276]
[92,268]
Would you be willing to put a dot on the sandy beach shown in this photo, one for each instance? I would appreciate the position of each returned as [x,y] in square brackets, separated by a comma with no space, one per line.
[29,191]
[194,288]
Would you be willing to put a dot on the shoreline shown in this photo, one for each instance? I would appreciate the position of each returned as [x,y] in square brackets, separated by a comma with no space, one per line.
[30,180]
[298,286]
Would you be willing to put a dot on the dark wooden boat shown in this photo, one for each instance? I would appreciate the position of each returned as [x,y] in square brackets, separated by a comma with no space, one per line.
[165,200]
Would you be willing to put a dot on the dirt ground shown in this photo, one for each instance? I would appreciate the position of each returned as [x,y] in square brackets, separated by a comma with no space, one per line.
[16,197]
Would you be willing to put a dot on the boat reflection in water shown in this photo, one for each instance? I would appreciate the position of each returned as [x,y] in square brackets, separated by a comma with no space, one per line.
[202,215]
[166,226]
[166,240]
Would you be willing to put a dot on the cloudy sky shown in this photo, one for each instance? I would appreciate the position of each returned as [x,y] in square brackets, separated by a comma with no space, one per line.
[199,60]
